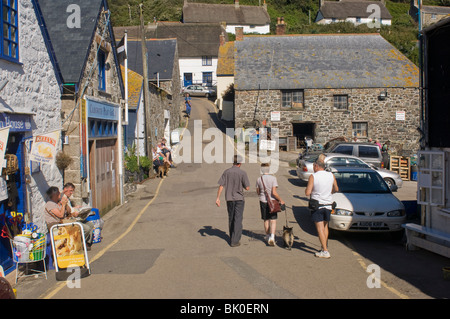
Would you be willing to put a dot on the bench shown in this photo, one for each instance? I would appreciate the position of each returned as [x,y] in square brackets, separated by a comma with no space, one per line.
[416,234]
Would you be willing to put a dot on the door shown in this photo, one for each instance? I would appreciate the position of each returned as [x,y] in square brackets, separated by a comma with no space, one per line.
[187,79]
[104,175]
[302,130]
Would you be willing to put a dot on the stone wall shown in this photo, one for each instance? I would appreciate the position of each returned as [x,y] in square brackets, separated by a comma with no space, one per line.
[69,103]
[364,105]
[32,88]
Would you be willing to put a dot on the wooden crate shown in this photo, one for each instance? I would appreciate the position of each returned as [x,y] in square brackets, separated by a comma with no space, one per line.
[402,166]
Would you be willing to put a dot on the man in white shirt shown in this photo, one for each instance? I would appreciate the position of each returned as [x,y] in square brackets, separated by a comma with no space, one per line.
[321,186]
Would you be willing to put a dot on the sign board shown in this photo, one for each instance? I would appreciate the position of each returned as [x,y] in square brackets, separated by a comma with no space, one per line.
[400,115]
[104,111]
[17,122]
[69,246]
[275,116]
[175,137]
[4,134]
[43,149]
[267,145]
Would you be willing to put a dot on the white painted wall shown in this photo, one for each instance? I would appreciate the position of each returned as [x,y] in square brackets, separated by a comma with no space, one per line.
[222,84]
[194,66]
[352,20]
[33,87]
[260,29]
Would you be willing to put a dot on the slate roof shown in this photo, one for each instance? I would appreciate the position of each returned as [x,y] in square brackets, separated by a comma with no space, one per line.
[209,13]
[225,61]
[193,40]
[436,9]
[135,82]
[69,45]
[321,61]
[351,9]
[161,57]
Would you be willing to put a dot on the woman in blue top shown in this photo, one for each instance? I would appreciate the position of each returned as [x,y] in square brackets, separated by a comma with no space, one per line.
[187,101]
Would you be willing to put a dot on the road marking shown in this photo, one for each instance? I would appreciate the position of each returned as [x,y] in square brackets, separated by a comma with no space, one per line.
[61,285]
[257,280]
[362,263]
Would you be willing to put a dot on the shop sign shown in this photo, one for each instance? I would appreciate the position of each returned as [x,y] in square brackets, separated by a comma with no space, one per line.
[102,110]
[17,122]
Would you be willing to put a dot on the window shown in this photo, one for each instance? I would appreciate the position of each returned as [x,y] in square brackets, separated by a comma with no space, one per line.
[292,99]
[358,19]
[344,149]
[340,102]
[369,151]
[433,16]
[431,178]
[10,35]
[207,78]
[359,129]
[101,70]
[206,60]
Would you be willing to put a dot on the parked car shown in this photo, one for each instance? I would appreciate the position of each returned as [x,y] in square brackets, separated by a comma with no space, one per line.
[305,167]
[365,203]
[368,152]
[198,90]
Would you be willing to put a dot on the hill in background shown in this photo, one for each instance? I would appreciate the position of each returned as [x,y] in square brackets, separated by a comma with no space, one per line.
[298,14]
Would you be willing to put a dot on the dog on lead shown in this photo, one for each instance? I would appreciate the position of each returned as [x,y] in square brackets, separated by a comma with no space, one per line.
[288,237]
[163,170]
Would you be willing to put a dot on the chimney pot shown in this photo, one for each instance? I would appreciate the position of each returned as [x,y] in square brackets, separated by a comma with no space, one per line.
[236,4]
[281,26]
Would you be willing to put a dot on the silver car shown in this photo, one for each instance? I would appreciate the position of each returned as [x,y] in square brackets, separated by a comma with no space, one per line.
[364,203]
[305,167]
[198,90]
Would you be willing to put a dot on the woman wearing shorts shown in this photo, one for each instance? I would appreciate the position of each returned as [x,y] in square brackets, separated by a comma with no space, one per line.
[270,219]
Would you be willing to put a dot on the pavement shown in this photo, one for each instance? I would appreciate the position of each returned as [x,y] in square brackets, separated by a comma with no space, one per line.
[170,240]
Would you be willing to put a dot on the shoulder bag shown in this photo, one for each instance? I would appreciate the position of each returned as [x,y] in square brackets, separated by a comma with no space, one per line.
[274,205]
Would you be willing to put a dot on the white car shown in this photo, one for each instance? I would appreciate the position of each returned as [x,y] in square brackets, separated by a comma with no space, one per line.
[305,167]
[365,203]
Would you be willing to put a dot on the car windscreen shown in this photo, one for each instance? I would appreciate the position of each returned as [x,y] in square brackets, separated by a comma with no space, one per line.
[360,182]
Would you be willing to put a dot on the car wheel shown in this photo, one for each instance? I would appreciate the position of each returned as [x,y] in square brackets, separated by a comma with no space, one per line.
[389,181]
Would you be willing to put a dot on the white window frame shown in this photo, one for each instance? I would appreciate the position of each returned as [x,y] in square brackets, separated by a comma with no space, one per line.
[431,165]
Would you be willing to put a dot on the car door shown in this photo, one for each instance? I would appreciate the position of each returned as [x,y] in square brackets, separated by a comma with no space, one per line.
[370,154]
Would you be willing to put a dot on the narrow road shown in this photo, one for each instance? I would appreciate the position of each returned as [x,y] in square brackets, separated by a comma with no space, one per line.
[177,246]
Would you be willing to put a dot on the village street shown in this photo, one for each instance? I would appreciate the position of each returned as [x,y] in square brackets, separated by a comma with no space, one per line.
[171,241]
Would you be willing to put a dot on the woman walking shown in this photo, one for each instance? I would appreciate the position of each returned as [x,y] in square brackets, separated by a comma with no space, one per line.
[268,183]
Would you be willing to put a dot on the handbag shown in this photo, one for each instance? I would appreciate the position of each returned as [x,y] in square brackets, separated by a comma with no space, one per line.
[274,205]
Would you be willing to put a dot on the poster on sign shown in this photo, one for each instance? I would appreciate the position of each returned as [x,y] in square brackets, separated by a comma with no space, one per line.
[4,134]
[44,146]
[69,248]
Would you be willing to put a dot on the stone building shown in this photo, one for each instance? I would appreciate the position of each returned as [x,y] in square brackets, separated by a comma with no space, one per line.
[328,86]
[165,87]
[80,41]
[30,104]
[353,11]
[252,19]
[429,14]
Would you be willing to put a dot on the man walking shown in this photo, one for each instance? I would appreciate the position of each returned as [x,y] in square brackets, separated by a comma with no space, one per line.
[235,181]
[321,186]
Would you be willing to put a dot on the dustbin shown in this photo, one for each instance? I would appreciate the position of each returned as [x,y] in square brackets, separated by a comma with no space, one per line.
[95,219]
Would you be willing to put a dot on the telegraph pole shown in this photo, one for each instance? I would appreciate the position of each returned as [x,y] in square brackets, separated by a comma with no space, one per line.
[148,129]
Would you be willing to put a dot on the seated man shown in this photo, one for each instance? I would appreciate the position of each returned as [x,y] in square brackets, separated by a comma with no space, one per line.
[157,157]
[167,151]
[88,227]
[57,208]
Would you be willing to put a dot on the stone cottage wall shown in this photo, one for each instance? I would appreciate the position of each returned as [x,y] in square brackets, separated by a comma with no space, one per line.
[32,88]
[363,106]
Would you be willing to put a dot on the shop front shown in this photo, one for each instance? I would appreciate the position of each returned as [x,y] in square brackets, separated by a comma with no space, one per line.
[103,154]
[13,190]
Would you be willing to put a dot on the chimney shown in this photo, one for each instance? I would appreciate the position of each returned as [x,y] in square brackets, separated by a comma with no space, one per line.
[236,4]
[281,26]
[320,3]
[265,5]
[239,33]
[222,39]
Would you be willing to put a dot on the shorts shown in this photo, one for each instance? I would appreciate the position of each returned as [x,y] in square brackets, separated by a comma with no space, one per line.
[265,212]
[321,215]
